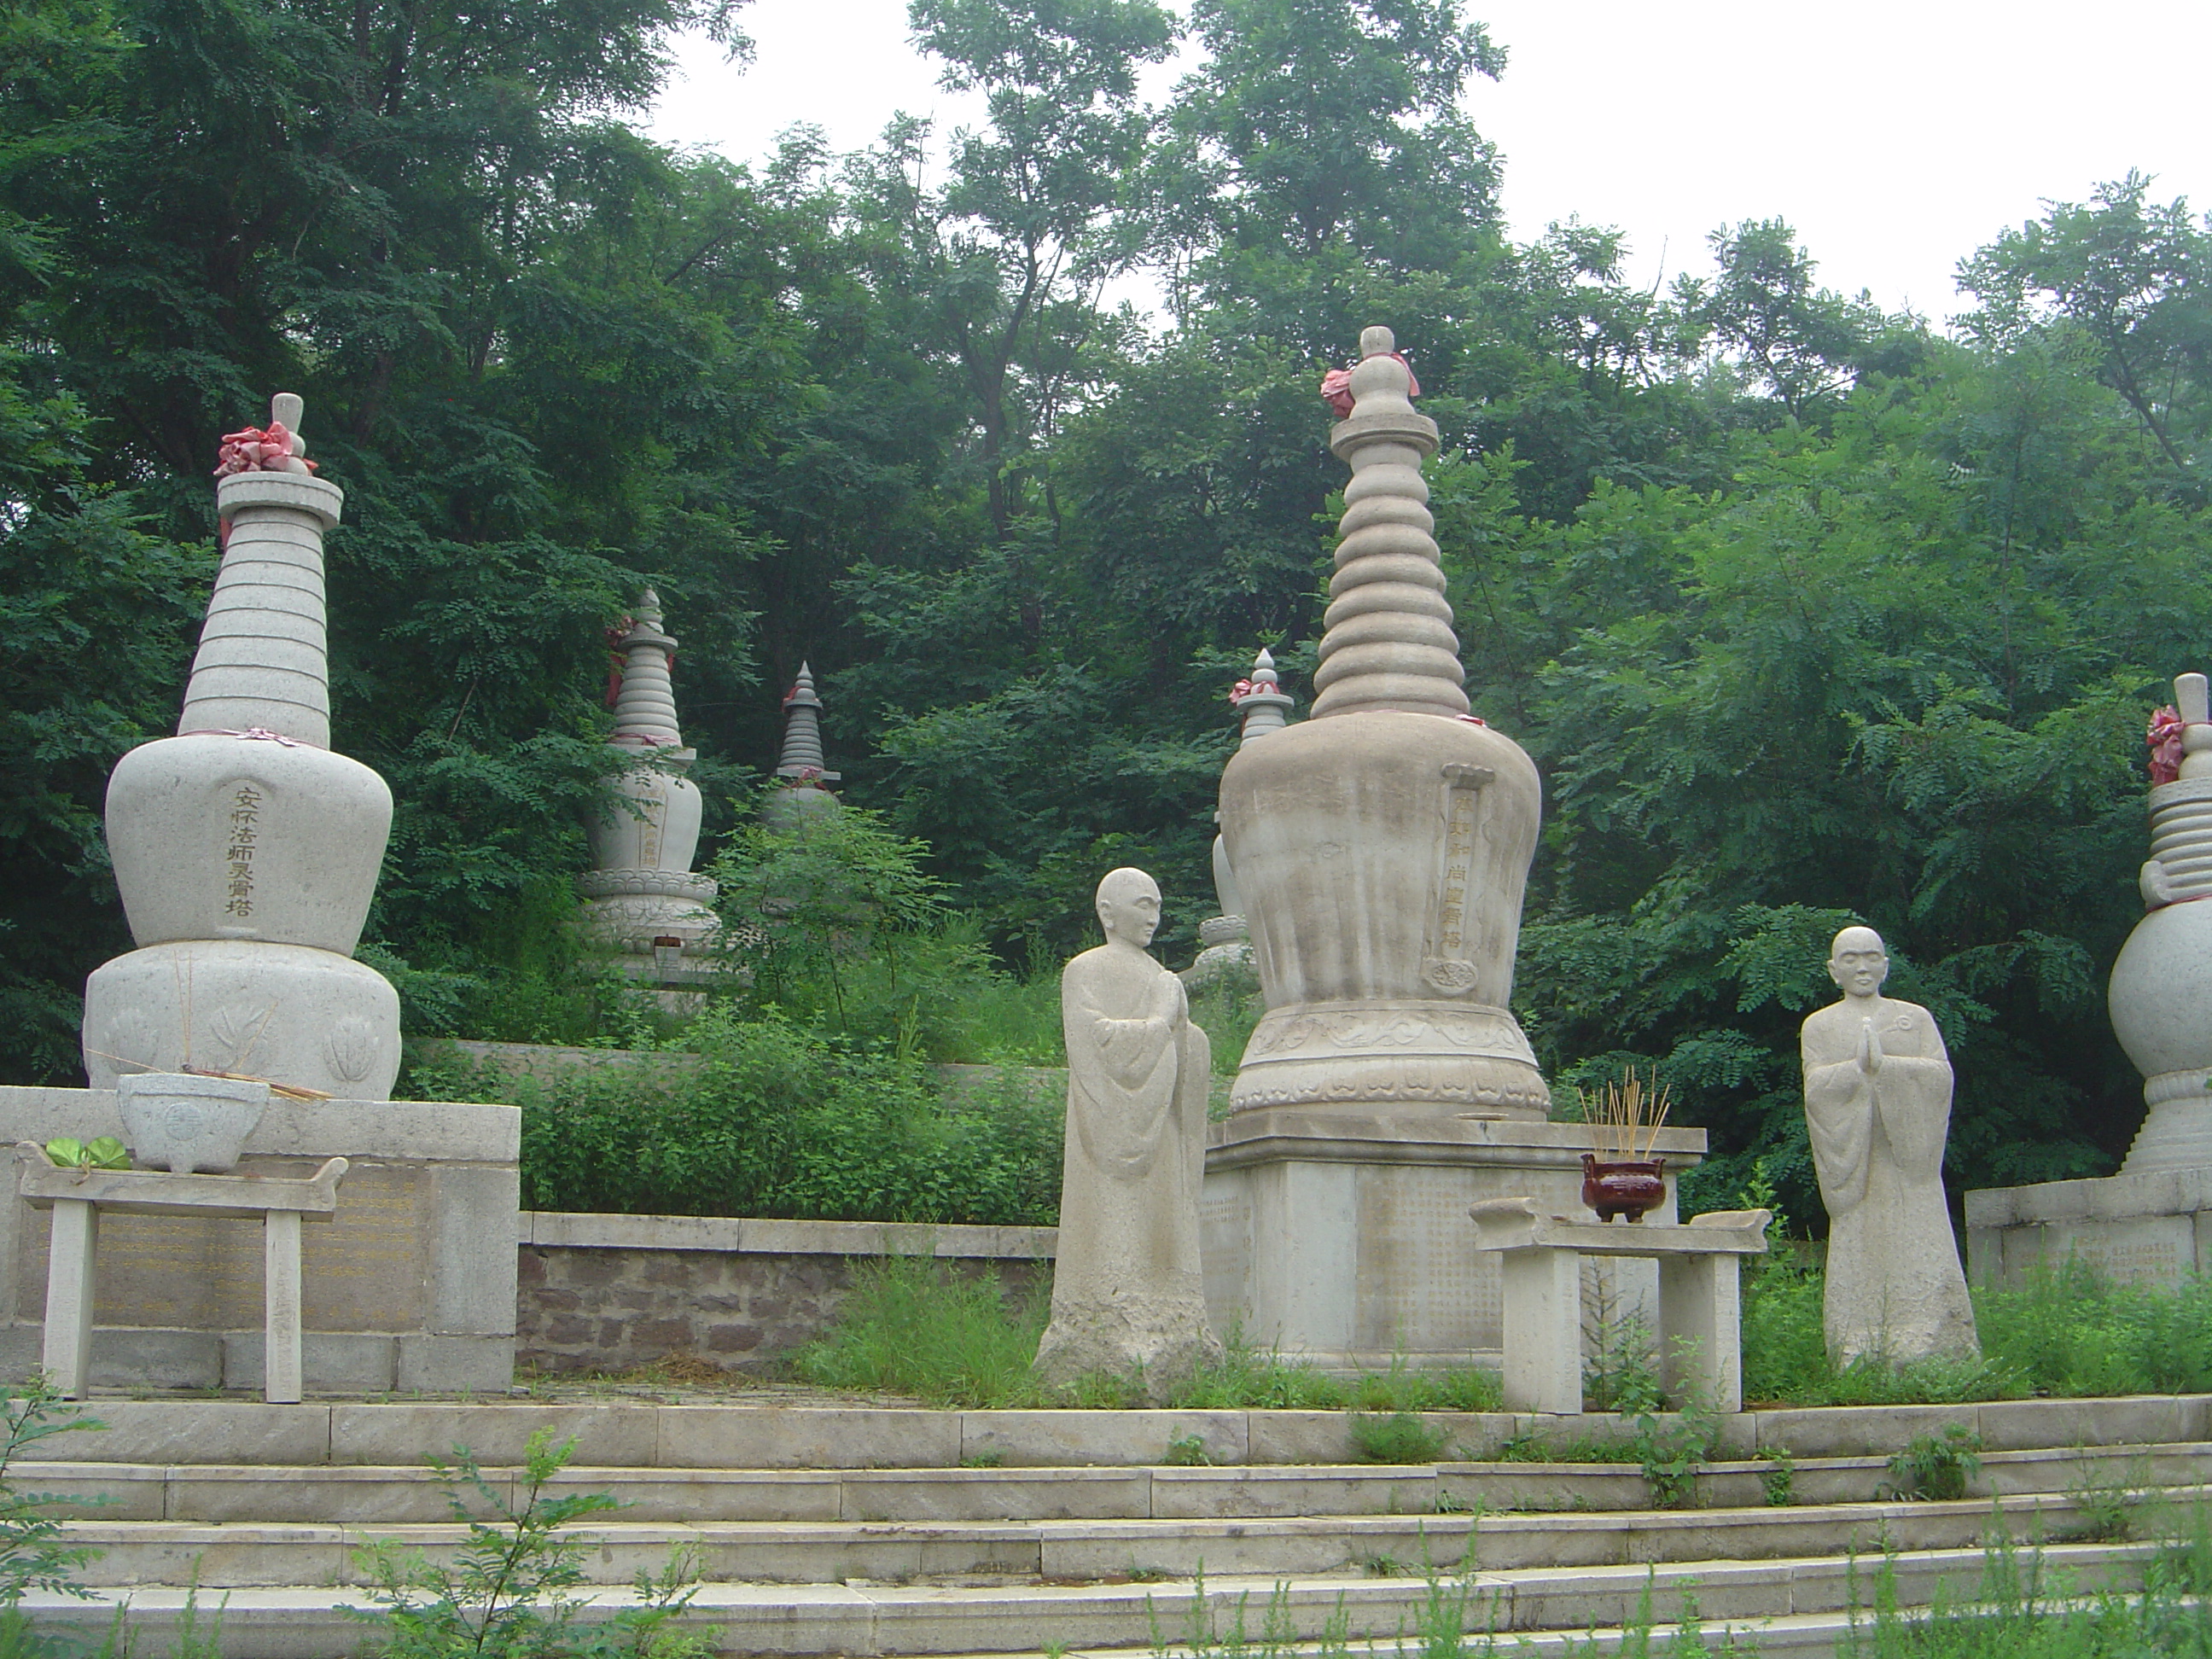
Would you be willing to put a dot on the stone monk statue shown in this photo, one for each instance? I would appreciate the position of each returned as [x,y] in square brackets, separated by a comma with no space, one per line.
[1878,1108]
[1127,1289]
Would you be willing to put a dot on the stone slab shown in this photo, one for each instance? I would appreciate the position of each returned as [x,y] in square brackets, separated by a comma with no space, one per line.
[1072,1437]
[402,1435]
[777,1437]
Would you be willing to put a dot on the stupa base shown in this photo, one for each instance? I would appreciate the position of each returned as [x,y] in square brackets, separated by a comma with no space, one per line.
[1342,1237]
[1397,1056]
[2152,1228]
[310,1019]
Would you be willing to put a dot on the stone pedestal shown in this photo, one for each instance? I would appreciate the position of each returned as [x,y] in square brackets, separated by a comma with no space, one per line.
[1700,1327]
[410,1286]
[2151,1229]
[1342,1238]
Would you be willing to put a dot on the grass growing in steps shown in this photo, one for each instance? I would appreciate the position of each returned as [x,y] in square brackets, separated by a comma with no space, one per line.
[912,1327]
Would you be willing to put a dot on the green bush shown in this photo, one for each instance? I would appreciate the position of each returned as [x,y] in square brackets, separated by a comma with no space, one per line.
[778,1121]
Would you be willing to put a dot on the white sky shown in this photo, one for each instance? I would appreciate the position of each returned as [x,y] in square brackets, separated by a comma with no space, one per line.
[1896,137]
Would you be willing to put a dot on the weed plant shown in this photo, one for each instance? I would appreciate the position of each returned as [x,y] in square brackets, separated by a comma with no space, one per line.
[1400,1437]
[513,1588]
[1935,1468]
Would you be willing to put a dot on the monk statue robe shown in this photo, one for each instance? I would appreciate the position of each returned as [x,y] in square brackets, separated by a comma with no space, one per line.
[1878,1109]
[1128,1295]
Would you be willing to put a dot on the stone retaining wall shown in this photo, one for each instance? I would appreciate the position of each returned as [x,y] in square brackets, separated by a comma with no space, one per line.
[608,1292]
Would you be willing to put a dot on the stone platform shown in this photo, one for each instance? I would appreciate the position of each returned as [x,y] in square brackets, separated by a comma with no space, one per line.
[1343,1237]
[2150,1229]
[410,1285]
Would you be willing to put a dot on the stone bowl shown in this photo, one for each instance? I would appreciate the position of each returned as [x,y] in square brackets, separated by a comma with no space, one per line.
[183,1123]
[1623,1187]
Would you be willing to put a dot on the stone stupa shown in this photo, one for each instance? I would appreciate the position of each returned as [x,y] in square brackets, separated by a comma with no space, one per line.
[1225,941]
[246,851]
[1381,848]
[2162,978]
[642,904]
[801,770]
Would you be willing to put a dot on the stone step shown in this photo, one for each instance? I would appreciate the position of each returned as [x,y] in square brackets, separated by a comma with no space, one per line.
[1789,1604]
[638,1434]
[365,1494]
[827,1552]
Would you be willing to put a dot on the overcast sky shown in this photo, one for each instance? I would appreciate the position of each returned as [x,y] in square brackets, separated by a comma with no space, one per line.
[1897,137]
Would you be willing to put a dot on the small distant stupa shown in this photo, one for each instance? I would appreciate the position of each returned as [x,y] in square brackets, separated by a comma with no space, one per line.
[1263,706]
[802,770]
[642,902]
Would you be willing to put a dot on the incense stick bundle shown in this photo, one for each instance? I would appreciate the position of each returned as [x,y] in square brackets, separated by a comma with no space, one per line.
[1624,1118]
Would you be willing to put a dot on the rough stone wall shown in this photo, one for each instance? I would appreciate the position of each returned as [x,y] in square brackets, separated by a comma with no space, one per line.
[606,1293]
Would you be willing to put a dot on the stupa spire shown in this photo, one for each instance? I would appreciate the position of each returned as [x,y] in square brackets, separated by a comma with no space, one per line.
[645,706]
[802,731]
[1389,643]
[1261,704]
[263,663]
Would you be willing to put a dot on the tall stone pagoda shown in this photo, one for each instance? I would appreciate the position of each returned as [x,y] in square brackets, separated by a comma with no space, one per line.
[641,901]
[246,850]
[1381,848]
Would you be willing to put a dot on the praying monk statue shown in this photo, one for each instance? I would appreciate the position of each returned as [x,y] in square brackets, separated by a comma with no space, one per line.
[1878,1108]
[1128,1293]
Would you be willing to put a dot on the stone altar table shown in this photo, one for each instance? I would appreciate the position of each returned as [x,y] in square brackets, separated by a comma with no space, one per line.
[77,1196]
[1699,1334]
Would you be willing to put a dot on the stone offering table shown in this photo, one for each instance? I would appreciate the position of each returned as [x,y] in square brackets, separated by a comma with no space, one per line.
[77,1196]
[1699,1335]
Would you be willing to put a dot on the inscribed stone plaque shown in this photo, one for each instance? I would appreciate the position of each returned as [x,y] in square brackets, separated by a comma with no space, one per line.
[363,1270]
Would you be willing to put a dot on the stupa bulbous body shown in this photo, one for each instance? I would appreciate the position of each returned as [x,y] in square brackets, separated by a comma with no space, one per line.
[2162,982]
[1382,848]
[248,852]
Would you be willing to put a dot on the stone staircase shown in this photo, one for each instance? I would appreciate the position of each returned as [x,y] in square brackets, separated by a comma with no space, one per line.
[825,1530]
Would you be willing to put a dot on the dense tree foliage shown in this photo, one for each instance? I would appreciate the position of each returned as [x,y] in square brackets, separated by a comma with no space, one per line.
[1807,612]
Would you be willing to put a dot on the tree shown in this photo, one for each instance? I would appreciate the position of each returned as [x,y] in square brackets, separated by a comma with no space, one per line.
[2134,277]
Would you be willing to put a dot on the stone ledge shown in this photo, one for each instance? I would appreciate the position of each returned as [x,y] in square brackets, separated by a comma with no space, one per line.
[430,1132]
[2158,1191]
[766,1236]
[1347,1134]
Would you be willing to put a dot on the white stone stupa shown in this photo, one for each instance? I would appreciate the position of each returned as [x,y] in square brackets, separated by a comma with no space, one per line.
[2161,983]
[1225,940]
[642,903]
[1381,849]
[245,850]
[802,769]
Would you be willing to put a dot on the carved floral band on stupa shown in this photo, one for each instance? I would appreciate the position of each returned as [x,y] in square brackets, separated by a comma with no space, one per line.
[1389,642]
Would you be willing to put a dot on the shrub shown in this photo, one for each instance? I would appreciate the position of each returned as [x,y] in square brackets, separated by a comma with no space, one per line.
[777,1121]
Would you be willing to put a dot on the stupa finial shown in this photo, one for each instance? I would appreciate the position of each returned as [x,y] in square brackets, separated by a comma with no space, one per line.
[1261,704]
[1389,643]
[645,706]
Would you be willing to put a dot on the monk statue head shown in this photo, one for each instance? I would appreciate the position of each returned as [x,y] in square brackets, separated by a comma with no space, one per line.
[1858,962]
[1129,907]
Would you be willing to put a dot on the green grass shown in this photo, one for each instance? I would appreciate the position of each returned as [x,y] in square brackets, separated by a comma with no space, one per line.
[2067,1333]
[914,1327]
